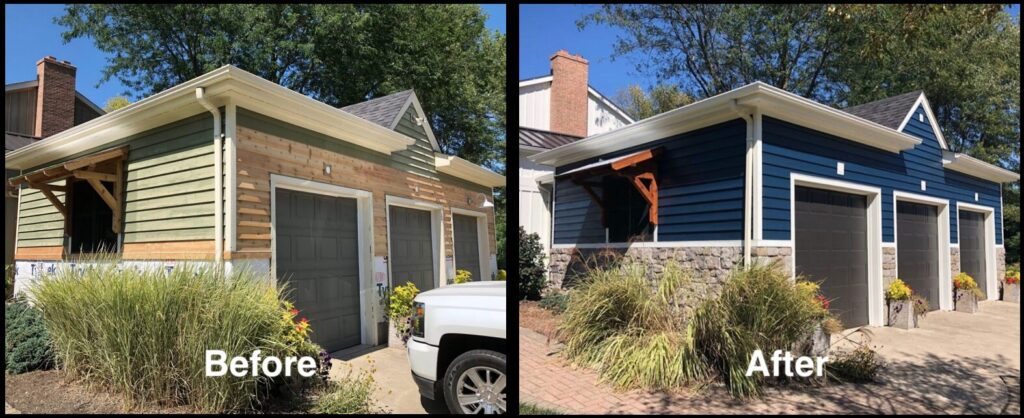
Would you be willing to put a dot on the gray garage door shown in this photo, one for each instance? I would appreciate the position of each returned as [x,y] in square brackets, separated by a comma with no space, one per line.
[831,248]
[317,256]
[972,246]
[412,253]
[467,249]
[917,249]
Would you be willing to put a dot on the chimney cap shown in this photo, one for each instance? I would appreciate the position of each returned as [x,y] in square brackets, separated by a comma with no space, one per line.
[53,60]
[565,54]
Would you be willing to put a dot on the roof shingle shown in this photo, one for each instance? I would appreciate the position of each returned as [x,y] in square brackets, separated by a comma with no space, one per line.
[382,110]
[14,140]
[888,112]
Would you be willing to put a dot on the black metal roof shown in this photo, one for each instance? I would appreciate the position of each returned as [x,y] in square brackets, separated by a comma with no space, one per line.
[382,110]
[544,139]
[888,112]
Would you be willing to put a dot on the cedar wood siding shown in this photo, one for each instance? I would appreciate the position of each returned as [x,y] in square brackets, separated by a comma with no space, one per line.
[789,148]
[700,189]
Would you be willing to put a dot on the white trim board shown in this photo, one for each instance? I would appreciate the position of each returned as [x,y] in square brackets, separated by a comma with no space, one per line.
[991,288]
[364,215]
[942,218]
[482,241]
[876,304]
[436,233]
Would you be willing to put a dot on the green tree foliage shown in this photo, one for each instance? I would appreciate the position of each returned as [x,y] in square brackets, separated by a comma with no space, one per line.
[662,98]
[115,103]
[966,58]
[338,54]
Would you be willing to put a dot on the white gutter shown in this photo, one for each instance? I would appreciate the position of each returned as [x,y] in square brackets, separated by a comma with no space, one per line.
[744,112]
[218,173]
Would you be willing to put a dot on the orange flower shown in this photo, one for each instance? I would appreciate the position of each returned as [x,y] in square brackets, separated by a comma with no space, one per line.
[294,312]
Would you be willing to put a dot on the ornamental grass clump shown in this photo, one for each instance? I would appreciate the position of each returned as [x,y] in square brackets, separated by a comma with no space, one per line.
[630,329]
[759,308]
[143,332]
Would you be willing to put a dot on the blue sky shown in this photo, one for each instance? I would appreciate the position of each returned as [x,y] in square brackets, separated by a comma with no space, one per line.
[30,34]
[544,29]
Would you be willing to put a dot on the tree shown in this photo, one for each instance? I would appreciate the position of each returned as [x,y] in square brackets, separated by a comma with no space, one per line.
[966,58]
[115,103]
[338,54]
[662,98]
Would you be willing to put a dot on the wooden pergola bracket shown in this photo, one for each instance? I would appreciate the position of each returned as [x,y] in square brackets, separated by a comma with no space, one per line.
[56,202]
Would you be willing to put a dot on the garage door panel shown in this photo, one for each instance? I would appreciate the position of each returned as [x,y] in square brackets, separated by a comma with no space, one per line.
[917,237]
[317,256]
[467,246]
[972,247]
[831,249]
[412,251]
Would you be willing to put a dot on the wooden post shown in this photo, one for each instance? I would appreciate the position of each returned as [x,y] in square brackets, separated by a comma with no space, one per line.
[118,194]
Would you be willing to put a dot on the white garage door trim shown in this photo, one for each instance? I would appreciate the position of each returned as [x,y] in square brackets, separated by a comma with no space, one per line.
[992,289]
[436,226]
[481,242]
[874,217]
[945,279]
[364,201]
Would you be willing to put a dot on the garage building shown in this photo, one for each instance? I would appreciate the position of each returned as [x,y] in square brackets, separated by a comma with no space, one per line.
[849,198]
[229,167]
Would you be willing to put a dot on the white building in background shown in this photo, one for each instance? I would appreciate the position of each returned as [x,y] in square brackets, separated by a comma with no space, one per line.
[555,110]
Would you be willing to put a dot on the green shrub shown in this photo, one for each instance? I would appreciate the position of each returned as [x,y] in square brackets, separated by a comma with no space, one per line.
[555,301]
[759,308]
[144,332]
[531,409]
[8,281]
[352,395]
[400,308]
[463,276]
[532,274]
[27,344]
[898,290]
[860,365]
[502,275]
[631,331]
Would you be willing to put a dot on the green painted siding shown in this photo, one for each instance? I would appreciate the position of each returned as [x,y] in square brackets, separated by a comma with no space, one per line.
[39,223]
[419,157]
[168,188]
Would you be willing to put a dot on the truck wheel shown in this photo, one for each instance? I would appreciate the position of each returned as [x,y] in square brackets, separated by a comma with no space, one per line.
[475,383]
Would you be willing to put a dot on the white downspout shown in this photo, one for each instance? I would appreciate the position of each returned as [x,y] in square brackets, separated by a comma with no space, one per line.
[747,179]
[218,173]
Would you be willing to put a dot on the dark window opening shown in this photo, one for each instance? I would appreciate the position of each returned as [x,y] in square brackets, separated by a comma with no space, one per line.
[91,219]
[626,211]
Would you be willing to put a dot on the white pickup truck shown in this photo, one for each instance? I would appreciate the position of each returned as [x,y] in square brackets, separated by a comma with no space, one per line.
[457,350]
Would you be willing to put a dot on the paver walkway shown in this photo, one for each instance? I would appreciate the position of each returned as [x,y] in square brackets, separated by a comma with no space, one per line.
[954,364]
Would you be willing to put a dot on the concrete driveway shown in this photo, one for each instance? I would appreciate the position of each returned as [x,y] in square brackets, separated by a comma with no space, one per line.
[396,391]
[955,363]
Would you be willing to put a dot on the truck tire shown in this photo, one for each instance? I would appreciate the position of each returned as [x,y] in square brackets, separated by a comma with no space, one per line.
[473,369]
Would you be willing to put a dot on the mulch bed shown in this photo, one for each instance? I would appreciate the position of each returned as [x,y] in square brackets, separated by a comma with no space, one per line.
[46,392]
[543,321]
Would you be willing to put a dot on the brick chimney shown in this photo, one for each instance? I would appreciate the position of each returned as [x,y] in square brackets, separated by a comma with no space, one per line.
[569,94]
[55,99]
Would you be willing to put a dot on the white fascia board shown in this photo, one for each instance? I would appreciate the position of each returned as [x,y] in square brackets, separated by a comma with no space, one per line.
[977,168]
[923,101]
[179,102]
[539,80]
[772,102]
[463,169]
[610,104]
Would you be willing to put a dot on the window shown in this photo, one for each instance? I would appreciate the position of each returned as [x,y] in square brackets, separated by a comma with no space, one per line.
[91,219]
[627,211]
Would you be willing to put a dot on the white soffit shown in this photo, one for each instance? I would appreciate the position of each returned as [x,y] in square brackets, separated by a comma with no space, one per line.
[463,169]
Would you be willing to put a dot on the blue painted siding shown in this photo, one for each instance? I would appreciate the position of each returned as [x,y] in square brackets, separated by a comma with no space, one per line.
[790,148]
[700,189]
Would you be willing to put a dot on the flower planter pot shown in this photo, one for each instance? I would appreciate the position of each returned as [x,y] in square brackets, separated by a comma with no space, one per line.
[1011,292]
[901,314]
[965,301]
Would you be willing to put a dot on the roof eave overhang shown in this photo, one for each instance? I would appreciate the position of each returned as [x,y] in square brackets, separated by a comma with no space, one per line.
[222,85]
[771,101]
[463,169]
[976,168]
